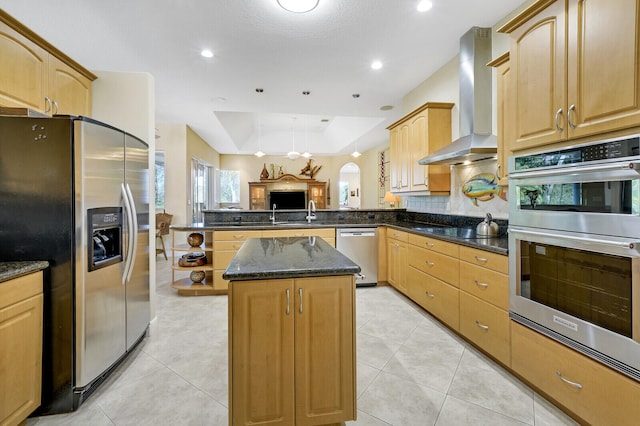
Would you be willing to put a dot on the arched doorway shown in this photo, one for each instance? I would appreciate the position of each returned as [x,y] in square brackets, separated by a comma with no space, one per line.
[349,188]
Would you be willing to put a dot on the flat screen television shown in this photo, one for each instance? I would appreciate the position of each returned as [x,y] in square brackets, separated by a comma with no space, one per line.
[287,199]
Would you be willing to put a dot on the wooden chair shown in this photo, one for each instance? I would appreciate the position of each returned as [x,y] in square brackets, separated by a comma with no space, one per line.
[163,220]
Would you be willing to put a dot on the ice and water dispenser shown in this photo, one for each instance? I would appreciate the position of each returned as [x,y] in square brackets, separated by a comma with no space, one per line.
[105,237]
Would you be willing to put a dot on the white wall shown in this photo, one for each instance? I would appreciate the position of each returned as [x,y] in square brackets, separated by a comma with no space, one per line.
[127,101]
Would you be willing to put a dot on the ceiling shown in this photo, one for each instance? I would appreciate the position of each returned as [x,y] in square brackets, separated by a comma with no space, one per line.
[258,45]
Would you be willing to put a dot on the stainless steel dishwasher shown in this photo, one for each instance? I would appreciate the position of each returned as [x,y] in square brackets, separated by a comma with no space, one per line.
[361,246]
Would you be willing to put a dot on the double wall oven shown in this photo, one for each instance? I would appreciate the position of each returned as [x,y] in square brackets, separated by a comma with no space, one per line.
[574,248]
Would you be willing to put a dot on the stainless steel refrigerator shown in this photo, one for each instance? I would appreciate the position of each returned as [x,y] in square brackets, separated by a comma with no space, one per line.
[74,191]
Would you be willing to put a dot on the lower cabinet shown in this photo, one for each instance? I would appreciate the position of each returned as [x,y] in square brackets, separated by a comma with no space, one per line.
[225,246]
[20,348]
[484,302]
[397,259]
[437,297]
[292,351]
[597,394]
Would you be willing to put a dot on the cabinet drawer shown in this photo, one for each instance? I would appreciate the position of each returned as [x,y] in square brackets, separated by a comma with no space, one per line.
[394,234]
[487,259]
[485,284]
[227,245]
[437,297]
[486,326]
[450,249]
[443,267]
[606,397]
[235,235]
[20,288]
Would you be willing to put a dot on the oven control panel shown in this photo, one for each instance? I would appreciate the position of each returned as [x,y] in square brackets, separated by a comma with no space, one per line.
[592,152]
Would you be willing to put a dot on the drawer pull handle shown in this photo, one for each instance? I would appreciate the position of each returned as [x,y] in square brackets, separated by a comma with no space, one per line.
[429,263]
[430,244]
[288,309]
[483,285]
[300,293]
[237,237]
[481,259]
[431,295]
[569,382]
[558,113]
[482,326]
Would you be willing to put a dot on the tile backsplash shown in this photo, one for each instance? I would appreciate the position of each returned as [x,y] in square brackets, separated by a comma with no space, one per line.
[458,203]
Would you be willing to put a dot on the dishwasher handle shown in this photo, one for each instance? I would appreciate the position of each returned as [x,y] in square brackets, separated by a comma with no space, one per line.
[358,234]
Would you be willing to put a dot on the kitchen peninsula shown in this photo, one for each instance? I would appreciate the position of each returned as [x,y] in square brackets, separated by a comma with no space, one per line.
[292,357]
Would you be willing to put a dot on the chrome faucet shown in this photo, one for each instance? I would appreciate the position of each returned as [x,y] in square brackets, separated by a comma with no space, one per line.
[311,212]
[273,214]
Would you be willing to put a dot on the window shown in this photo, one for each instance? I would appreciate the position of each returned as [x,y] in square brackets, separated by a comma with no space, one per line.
[229,187]
[201,189]
[159,170]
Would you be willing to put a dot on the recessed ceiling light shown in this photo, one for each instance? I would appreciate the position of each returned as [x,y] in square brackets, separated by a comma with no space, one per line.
[386,107]
[298,6]
[206,53]
[376,65]
[424,5]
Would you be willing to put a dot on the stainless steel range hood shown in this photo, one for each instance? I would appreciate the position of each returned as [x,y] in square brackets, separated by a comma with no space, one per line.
[476,141]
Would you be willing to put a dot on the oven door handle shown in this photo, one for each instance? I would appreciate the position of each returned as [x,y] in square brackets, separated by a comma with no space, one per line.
[631,166]
[631,245]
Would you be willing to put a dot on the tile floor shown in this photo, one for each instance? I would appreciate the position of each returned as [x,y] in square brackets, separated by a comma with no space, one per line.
[411,371]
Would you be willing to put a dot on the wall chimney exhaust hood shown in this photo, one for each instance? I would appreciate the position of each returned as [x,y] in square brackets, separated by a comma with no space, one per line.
[476,141]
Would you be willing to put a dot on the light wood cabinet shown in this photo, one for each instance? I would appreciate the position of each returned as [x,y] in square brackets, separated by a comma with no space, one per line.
[21,349]
[182,283]
[317,192]
[435,296]
[226,244]
[574,67]
[257,196]
[595,393]
[484,301]
[505,115]
[397,259]
[38,76]
[411,138]
[292,351]
[443,267]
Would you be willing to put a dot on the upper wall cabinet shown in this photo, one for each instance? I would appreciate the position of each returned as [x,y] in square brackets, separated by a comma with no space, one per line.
[575,68]
[36,75]
[505,111]
[414,136]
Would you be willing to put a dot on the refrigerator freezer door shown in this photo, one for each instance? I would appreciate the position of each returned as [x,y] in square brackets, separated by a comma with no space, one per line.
[137,285]
[100,294]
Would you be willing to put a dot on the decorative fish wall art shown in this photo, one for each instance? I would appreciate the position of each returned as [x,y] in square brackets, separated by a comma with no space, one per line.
[483,187]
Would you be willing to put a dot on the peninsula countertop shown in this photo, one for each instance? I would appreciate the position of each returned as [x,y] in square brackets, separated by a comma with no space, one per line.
[287,257]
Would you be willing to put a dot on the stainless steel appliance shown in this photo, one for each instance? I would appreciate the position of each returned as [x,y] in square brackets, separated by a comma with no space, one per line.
[361,246]
[74,191]
[574,248]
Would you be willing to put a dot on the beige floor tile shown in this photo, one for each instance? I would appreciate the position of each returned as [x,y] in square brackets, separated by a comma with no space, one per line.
[456,412]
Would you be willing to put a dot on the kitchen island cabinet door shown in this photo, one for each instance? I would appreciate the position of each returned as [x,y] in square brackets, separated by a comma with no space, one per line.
[261,353]
[325,350]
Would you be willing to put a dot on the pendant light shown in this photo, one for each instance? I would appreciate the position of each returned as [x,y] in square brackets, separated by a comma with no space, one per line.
[259,153]
[293,154]
[356,154]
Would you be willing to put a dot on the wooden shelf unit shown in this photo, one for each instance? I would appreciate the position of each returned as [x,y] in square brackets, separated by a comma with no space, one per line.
[184,285]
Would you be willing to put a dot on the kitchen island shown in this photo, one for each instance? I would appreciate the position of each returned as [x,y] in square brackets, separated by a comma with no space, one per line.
[292,356]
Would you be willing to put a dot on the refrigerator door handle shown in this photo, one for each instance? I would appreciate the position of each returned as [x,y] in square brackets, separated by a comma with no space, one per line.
[128,256]
[134,234]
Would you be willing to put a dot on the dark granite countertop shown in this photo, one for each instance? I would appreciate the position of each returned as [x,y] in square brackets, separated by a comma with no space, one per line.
[499,245]
[288,257]
[11,270]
